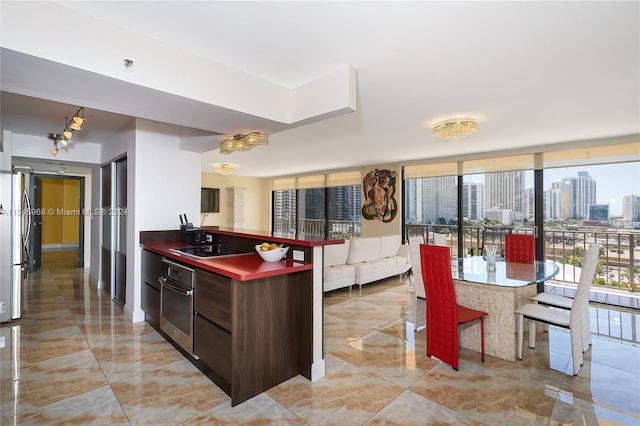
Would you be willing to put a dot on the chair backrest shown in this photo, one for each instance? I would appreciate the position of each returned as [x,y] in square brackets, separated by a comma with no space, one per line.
[442,315]
[520,248]
[440,240]
[581,302]
[416,265]
[589,265]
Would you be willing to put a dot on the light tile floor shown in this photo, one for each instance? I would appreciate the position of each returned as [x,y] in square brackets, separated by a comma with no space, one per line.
[75,359]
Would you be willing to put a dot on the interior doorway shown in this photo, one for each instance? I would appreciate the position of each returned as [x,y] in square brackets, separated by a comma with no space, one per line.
[59,202]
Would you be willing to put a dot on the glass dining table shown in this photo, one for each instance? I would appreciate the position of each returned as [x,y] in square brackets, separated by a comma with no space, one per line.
[506,274]
[498,292]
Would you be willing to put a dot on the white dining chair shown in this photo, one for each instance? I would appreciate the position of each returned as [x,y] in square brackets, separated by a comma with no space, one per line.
[571,320]
[416,270]
[564,302]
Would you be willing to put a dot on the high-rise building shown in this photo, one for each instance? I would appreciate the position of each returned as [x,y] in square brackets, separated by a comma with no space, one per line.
[631,207]
[505,190]
[599,212]
[473,200]
[345,203]
[563,207]
[284,210]
[529,204]
[584,194]
[413,196]
[552,203]
[439,199]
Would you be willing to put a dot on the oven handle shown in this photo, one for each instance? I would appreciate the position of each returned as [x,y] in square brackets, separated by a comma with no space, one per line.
[165,283]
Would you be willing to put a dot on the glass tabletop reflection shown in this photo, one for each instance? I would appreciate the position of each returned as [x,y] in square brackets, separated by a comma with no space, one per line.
[506,274]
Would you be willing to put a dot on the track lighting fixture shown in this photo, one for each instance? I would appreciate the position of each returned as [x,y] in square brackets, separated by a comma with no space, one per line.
[71,125]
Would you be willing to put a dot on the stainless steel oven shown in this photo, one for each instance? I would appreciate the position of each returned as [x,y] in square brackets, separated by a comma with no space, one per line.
[176,303]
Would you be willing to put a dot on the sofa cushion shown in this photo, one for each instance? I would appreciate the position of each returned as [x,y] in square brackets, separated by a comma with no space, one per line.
[389,245]
[336,254]
[363,249]
[338,272]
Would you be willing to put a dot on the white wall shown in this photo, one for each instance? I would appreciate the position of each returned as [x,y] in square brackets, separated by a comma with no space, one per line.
[38,147]
[95,225]
[166,183]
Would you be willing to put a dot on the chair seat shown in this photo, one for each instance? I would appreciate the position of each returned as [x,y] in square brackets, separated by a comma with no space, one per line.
[545,314]
[467,314]
[553,300]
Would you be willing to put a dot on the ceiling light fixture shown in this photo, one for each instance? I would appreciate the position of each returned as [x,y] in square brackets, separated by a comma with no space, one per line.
[225,168]
[455,128]
[243,142]
[54,150]
[65,136]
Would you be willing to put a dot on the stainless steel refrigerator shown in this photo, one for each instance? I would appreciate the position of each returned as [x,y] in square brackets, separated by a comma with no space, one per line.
[15,223]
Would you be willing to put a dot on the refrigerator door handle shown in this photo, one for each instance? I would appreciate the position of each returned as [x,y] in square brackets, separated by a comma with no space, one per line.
[27,213]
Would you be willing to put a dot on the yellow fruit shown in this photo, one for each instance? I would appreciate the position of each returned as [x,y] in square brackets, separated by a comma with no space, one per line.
[265,245]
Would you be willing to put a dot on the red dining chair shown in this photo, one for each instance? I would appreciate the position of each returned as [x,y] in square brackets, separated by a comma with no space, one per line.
[443,313]
[520,248]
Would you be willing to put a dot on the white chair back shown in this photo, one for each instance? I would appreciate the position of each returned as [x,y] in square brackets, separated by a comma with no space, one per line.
[580,306]
[416,264]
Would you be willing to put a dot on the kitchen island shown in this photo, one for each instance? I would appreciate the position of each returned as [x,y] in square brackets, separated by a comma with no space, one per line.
[255,323]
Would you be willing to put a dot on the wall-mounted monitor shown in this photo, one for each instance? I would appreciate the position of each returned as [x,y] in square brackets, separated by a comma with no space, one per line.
[209,200]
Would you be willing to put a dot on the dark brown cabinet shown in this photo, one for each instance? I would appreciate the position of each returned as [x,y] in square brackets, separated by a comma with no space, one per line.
[252,334]
[152,268]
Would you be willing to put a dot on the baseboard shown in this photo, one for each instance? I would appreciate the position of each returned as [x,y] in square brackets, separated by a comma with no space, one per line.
[133,316]
[56,246]
[318,370]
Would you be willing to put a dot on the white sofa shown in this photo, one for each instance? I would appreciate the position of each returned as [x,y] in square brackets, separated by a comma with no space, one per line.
[362,260]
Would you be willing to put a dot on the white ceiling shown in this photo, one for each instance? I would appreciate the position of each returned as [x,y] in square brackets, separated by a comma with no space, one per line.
[533,73]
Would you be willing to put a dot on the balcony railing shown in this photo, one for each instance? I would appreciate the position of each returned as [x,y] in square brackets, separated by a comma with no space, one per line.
[317,227]
[618,263]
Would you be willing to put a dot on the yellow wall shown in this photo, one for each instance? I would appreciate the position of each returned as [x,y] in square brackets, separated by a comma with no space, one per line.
[257,201]
[61,204]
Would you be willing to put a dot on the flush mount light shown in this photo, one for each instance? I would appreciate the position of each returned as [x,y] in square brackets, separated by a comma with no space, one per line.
[225,168]
[243,142]
[455,128]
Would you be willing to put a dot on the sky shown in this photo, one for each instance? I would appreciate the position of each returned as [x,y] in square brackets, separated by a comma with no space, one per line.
[613,181]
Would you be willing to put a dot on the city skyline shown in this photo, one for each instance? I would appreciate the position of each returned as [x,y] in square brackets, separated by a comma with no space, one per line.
[614,181]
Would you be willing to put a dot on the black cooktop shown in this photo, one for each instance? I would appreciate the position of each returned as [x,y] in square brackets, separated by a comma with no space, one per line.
[209,250]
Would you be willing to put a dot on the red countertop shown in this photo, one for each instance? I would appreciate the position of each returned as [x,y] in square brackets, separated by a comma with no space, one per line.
[305,241]
[242,267]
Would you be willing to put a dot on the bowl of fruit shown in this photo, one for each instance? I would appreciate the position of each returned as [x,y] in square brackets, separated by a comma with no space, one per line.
[271,252]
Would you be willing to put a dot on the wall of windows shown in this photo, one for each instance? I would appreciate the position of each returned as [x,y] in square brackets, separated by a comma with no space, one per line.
[573,198]
[322,205]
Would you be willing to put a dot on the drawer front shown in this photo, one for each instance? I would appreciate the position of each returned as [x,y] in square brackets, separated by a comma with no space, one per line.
[213,345]
[213,298]
[152,268]
[151,303]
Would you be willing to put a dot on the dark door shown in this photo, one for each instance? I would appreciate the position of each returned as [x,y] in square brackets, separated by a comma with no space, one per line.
[120,216]
[35,243]
[105,250]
